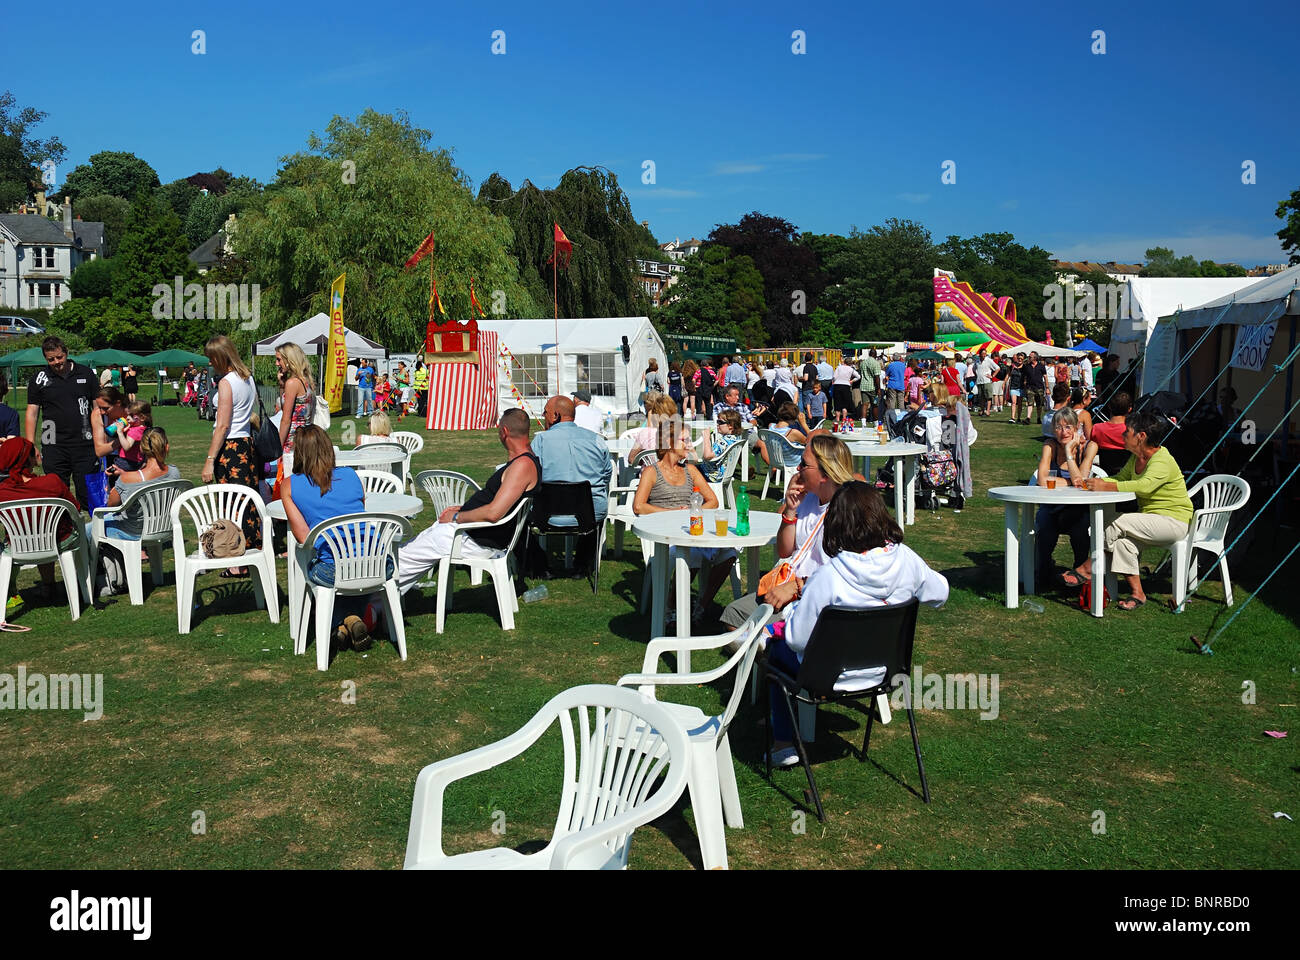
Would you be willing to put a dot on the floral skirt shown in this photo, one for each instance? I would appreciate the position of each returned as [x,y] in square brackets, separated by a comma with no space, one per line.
[236,463]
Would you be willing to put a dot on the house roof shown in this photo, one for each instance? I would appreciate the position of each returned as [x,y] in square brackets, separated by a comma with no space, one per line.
[89,234]
[33,228]
[209,252]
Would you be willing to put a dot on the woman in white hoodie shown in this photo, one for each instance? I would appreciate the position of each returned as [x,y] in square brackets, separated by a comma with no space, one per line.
[868,566]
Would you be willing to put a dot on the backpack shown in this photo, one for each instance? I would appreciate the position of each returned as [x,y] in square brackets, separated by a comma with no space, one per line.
[675,385]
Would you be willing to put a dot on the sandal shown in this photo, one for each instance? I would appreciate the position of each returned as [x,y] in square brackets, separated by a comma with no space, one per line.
[1072,579]
[228,575]
[1128,604]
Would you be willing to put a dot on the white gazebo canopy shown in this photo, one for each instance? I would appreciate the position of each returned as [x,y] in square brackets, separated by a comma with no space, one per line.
[313,335]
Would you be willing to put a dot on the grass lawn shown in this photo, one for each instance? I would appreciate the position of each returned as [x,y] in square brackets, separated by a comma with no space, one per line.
[1118,716]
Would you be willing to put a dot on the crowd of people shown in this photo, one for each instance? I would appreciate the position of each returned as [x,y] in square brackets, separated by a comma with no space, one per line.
[87,418]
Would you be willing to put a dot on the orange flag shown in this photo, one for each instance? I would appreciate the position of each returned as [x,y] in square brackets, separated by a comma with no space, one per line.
[563,252]
[423,251]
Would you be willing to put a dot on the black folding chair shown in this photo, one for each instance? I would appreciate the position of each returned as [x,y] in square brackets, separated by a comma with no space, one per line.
[565,499]
[848,639]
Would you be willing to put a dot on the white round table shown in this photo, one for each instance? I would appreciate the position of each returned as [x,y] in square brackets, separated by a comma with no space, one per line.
[402,504]
[904,456]
[1020,509]
[671,528]
[365,456]
[701,424]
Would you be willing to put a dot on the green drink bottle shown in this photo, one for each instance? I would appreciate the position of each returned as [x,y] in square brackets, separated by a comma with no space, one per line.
[742,510]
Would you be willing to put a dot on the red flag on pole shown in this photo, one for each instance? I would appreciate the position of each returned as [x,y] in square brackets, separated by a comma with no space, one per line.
[423,251]
[563,252]
[474,308]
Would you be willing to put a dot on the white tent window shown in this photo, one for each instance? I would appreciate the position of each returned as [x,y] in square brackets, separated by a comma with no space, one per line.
[528,372]
[596,373]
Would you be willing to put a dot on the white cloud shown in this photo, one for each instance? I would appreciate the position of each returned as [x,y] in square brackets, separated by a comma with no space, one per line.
[1245,249]
[914,197]
[650,192]
[730,169]
[796,157]
[1009,204]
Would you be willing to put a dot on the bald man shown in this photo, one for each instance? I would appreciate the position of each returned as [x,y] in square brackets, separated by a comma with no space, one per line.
[570,454]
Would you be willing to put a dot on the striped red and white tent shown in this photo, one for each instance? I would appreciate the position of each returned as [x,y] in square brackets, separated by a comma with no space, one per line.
[463,396]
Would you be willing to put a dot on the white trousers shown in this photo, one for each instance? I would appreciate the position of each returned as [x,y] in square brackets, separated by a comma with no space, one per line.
[1133,532]
[418,557]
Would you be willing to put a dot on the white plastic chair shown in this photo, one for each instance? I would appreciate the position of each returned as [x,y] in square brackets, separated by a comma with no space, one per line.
[1208,531]
[361,545]
[712,774]
[445,488]
[621,495]
[724,488]
[414,443]
[379,481]
[153,504]
[624,766]
[399,462]
[783,457]
[203,506]
[31,537]
[497,566]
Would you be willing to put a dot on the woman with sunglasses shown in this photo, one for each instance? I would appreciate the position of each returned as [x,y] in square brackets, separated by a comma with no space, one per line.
[825,465]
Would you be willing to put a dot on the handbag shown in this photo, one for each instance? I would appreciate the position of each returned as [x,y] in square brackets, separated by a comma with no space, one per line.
[785,569]
[222,539]
[266,441]
[97,489]
[1085,596]
[321,416]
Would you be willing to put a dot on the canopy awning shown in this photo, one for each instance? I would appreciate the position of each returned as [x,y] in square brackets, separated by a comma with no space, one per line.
[313,335]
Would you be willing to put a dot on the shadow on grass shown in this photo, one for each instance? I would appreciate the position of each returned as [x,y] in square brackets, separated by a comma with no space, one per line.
[220,597]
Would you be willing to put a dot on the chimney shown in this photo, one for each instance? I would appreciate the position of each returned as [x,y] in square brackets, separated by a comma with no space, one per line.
[67,217]
[40,203]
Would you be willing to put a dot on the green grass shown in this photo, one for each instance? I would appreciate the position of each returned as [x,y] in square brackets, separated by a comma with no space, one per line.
[1118,716]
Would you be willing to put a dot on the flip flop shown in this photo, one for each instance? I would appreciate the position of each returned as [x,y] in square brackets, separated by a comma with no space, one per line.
[1128,604]
[6,627]
[1072,579]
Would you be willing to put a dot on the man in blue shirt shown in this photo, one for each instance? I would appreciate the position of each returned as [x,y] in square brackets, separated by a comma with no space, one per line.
[365,388]
[825,376]
[571,454]
[895,381]
[735,375]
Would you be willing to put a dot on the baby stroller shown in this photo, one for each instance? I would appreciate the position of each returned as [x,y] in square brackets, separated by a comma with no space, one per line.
[191,397]
[938,479]
[908,427]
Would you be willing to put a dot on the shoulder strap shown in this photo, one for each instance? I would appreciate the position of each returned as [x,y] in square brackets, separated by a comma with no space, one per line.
[812,534]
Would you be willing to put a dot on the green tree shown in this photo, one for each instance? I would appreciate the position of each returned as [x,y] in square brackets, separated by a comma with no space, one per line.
[312,226]
[92,280]
[178,195]
[113,172]
[881,281]
[111,212]
[1161,262]
[997,263]
[1288,211]
[792,277]
[594,213]
[719,295]
[21,153]
[824,329]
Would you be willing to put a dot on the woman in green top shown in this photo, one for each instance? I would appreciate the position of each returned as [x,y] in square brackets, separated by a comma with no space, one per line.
[1165,510]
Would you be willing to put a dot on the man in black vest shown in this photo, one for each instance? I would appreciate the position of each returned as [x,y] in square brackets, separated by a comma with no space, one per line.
[517,478]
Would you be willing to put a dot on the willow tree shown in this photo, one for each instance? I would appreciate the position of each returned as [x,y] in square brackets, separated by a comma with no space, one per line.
[594,213]
[360,200]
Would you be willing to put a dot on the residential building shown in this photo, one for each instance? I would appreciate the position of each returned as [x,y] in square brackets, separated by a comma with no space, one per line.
[38,255]
[677,251]
[211,251]
[656,277]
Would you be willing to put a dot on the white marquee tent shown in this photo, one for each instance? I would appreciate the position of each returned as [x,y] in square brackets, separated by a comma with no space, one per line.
[1232,321]
[590,358]
[1150,298]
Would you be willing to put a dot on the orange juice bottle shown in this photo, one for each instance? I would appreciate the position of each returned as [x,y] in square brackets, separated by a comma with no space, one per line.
[697,513]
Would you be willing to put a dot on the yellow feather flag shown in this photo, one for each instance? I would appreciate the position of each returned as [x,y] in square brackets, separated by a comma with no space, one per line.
[336,367]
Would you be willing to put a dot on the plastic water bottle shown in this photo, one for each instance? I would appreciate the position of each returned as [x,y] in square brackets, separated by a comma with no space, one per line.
[742,511]
[697,512]
[533,594]
[1033,606]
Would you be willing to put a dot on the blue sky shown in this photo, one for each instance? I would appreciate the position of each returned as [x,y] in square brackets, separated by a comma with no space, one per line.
[1090,156]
